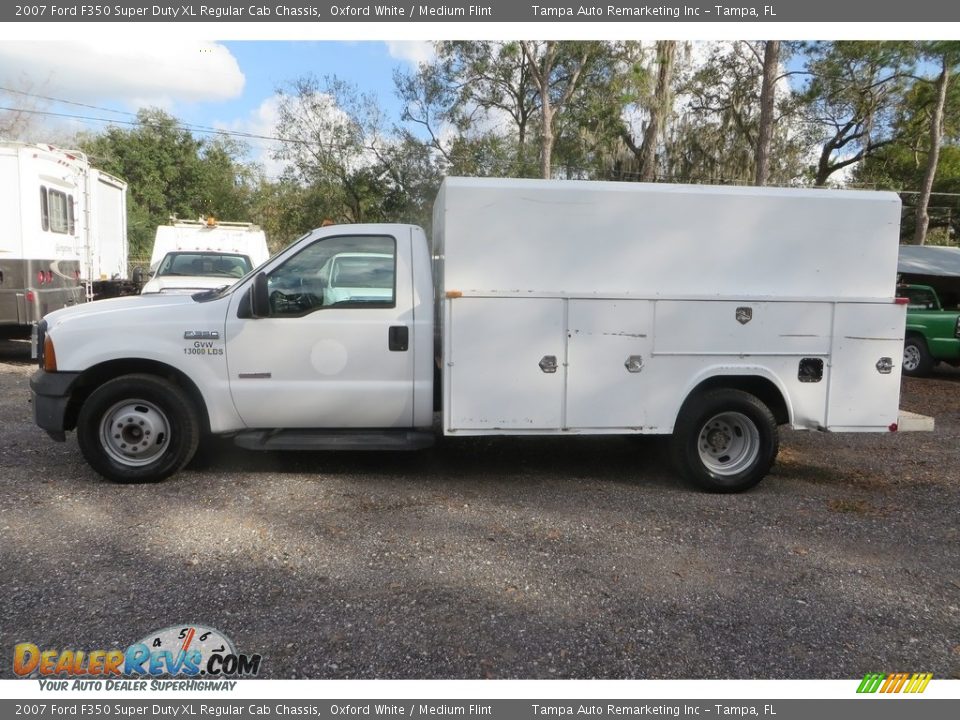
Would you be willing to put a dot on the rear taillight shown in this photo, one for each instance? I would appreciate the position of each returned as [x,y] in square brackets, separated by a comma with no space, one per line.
[41,278]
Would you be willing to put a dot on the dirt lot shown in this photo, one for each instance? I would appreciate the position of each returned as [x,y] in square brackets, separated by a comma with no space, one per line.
[506,558]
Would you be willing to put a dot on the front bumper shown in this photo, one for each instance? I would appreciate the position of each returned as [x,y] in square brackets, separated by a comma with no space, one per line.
[51,395]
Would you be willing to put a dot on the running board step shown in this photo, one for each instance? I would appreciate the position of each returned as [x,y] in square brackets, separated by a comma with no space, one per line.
[334,440]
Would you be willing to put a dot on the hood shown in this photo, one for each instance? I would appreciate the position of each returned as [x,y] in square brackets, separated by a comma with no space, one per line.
[117,308]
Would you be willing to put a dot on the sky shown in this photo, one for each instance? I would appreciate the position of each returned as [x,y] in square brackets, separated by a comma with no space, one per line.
[224,85]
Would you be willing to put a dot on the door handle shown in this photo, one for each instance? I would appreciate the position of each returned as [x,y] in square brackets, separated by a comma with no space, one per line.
[398,338]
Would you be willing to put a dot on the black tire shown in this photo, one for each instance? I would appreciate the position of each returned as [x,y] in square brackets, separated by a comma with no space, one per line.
[724,440]
[138,429]
[917,360]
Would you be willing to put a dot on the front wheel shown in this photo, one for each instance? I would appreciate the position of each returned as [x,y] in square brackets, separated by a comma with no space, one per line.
[917,360]
[724,440]
[138,428]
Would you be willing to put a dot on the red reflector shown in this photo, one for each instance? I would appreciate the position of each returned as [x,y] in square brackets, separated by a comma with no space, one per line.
[892,427]
[29,296]
[902,301]
[49,276]
[40,277]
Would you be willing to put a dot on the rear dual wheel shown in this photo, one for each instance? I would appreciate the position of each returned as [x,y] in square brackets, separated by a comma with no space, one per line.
[724,440]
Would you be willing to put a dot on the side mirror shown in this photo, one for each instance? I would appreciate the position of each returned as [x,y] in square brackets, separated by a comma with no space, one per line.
[260,297]
[137,276]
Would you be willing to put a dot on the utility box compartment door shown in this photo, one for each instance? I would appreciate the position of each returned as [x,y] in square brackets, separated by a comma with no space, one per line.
[609,363]
[865,372]
[493,377]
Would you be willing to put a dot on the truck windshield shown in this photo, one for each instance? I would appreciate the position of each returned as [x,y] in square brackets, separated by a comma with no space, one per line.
[202,264]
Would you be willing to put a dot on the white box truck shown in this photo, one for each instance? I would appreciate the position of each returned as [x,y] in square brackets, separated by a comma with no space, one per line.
[712,314]
[192,255]
[65,229]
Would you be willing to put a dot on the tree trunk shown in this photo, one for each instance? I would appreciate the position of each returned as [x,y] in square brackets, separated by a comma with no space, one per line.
[771,62]
[659,110]
[933,157]
[546,134]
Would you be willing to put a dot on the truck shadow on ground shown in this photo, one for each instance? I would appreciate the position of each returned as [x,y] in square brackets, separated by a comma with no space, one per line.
[491,459]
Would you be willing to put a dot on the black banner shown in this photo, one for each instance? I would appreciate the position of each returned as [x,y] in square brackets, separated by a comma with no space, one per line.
[852,709]
[401,11]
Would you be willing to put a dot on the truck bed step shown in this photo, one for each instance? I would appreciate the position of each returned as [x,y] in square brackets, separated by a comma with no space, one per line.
[914,422]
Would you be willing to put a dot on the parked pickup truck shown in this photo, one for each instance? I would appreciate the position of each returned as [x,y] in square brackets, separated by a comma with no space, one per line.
[709,314]
[932,333]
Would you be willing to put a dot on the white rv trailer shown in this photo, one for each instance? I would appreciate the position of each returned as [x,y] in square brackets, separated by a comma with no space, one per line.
[711,314]
[65,229]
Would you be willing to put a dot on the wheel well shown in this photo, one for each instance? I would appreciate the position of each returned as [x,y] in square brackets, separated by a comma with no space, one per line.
[760,387]
[94,377]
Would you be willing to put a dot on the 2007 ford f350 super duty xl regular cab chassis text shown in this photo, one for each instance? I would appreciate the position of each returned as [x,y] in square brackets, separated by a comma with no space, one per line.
[712,314]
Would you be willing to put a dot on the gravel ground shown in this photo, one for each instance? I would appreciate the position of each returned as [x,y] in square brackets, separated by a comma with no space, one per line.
[502,558]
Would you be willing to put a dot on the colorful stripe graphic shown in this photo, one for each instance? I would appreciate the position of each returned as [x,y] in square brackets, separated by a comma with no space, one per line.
[894,682]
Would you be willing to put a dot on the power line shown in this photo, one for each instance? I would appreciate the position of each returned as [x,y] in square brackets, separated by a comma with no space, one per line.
[204,130]
[65,102]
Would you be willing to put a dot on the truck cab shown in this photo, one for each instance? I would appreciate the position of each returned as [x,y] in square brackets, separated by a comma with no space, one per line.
[266,360]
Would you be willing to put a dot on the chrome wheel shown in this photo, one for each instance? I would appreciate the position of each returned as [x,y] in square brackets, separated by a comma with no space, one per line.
[911,357]
[134,432]
[728,444]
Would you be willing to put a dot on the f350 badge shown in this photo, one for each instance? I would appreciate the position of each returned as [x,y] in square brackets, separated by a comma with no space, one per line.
[201,335]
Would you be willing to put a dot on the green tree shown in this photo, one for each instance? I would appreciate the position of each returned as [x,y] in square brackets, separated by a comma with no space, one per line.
[718,131]
[170,172]
[851,99]
[945,57]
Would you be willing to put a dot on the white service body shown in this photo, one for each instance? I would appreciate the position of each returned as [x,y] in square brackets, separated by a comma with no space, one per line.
[561,307]
[593,273]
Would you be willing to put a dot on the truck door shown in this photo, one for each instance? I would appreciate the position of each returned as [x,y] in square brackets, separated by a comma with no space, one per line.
[336,349]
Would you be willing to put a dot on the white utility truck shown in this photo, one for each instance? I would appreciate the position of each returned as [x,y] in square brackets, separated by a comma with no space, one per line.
[65,233]
[714,314]
[191,255]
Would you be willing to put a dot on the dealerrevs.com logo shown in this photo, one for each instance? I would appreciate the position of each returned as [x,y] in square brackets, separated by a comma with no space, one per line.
[188,650]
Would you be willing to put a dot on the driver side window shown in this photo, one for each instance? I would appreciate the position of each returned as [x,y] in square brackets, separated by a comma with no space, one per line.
[347,271]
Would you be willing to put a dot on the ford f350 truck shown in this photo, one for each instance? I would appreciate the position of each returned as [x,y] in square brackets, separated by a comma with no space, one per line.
[711,314]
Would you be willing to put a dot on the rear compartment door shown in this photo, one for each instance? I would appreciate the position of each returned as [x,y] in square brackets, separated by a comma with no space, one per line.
[866,339]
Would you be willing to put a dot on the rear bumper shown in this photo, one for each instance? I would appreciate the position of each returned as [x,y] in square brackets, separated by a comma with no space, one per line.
[51,395]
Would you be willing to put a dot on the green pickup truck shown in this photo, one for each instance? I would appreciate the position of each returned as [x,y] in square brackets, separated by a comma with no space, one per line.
[932,333]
